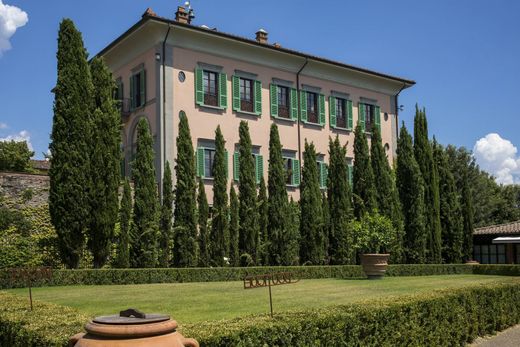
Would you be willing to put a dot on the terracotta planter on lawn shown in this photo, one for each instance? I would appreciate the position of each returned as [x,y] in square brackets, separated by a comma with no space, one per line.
[374,265]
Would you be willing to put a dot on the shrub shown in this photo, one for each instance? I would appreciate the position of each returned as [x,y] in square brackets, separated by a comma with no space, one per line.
[374,233]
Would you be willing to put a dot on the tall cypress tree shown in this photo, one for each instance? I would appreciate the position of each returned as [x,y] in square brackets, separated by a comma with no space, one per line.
[424,158]
[364,193]
[234,251]
[450,212]
[411,194]
[276,201]
[325,226]
[467,217]
[203,216]
[165,239]
[185,213]
[145,215]
[311,224]
[291,238]
[387,196]
[125,216]
[70,145]
[219,236]
[248,210]
[339,197]
[263,215]
[105,158]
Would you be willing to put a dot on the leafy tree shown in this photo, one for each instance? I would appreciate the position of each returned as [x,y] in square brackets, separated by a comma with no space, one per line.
[165,239]
[339,197]
[145,226]
[204,246]
[263,214]
[234,251]
[185,213]
[450,211]
[311,224]
[15,156]
[411,194]
[424,158]
[248,210]
[105,158]
[219,237]
[363,178]
[71,130]
[125,216]
[387,196]
[276,202]
[467,220]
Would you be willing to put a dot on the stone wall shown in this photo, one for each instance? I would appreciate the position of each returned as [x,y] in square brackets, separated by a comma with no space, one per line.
[32,189]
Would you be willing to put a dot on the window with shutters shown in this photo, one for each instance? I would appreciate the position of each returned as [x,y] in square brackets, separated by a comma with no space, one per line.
[210,88]
[341,113]
[322,173]
[209,158]
[138,89]
[292,170]
[288,170]
[284,108]
[246,95]
[258,160]
[312,108]
[369,117]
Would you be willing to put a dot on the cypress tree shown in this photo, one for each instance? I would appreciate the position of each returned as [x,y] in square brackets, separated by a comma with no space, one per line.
[70,145]
[363,189]
[263,215]
[467,218]
[145,214]
[234,251]
[185,213]
[339,197]
[424,158]
[387,196]
[450,212]
[125,216]
[325,226]
[165,240]
[248,210]
[105,158]
[411,194]
[219,236]
[203,216]
[311,224]
[291,238]
[276,202]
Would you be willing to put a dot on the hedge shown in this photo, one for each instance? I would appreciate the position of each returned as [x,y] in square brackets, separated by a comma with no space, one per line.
[177,275]
[441,318]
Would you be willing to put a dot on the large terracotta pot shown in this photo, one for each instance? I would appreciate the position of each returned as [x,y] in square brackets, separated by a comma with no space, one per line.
[132,328]
[374,265]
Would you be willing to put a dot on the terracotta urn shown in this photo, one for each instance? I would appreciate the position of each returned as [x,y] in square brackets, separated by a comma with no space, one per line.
[132,328]
[374,265]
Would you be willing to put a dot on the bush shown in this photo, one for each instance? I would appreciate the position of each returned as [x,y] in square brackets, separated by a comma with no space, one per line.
[374,233]
[15,156]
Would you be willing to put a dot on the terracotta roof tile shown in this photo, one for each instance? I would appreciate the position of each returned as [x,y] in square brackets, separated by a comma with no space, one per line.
[502,229]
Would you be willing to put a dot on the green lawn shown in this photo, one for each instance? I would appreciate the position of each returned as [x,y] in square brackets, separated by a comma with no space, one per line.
[194,302]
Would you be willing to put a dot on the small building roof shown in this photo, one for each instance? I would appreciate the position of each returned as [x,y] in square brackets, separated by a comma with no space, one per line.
[510,228]
[41,164]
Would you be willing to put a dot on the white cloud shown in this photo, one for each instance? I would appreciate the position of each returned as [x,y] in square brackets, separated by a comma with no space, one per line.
[21,136]
[3,125]
[11,18]
[498,157]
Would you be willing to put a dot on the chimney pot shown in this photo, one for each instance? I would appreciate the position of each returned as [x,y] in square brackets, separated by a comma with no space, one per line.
[182,16]
[261,36]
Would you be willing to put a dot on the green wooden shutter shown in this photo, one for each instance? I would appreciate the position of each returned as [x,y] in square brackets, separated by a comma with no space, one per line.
[199,87]
[236,93]
[259,164]
[258,97]
[295,172]
[377,111]
[222,90]
[273,91]
[361,113]
[226,160]
[332,111]
[143,87]
[324,172]
[236,166]
[132,99]
[294,104]
[200,162]
[350,174]
[322,109]
[350,122]
[303,106]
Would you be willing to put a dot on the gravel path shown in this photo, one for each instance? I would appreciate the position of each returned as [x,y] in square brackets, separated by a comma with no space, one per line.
[507,338]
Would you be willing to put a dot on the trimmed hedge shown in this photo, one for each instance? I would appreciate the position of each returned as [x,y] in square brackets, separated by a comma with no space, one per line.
[178,275]
[441,318]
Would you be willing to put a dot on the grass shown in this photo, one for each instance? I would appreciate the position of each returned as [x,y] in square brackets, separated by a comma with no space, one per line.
[195,302]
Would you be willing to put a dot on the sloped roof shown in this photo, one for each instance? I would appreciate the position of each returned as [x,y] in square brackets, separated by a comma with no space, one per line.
[510,228]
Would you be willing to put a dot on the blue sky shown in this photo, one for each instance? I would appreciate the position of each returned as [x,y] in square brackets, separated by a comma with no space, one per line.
[463,54]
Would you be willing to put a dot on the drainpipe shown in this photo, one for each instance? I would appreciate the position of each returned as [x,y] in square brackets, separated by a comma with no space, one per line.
[397,110]
[299,112]
[164,97]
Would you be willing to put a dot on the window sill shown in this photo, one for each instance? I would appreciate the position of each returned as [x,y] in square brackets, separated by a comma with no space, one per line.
[207,178]
[284,119]
[248,113]
[341,128]
[212,107]
[313,124]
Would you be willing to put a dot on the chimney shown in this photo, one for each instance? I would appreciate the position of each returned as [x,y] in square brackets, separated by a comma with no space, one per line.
[261,36]
[182,16]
